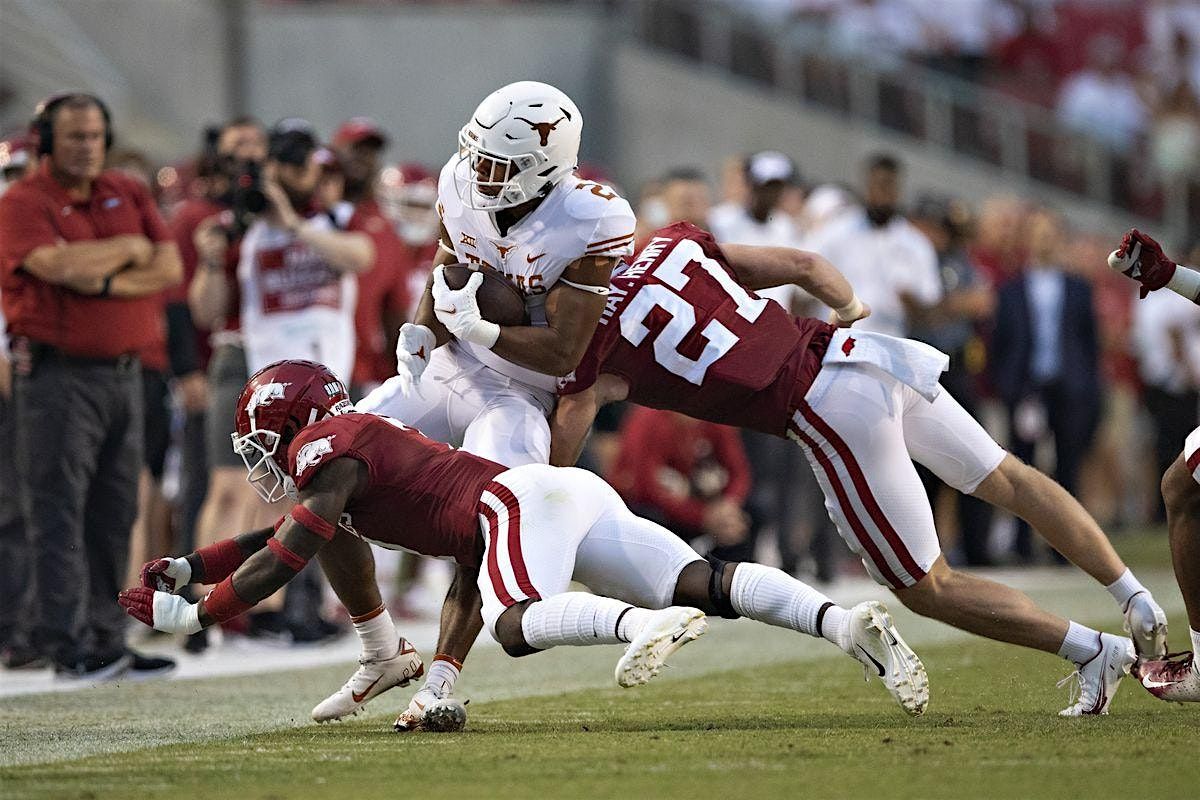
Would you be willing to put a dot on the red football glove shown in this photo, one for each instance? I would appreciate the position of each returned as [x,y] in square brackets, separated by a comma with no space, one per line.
[160,610]
[1142,259]
[166,574]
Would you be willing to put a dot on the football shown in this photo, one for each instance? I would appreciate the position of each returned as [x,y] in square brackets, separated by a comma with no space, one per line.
[499,301]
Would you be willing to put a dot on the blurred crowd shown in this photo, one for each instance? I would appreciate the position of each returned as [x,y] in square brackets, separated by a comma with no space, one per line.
[1048,347]
[1079,58]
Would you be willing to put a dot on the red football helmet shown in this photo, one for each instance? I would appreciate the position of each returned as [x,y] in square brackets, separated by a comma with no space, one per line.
[278,401]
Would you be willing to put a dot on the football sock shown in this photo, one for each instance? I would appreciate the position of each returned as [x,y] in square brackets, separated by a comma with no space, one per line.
[442,676]
[578,618]
[377,634]
[1124,588]
[1195,640]
[1080,644]
[772,596]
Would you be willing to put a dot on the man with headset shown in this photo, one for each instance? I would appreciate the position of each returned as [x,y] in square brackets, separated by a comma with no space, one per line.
[83,252]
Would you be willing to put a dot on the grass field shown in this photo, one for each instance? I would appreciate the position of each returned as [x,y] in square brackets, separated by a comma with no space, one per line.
[747,711]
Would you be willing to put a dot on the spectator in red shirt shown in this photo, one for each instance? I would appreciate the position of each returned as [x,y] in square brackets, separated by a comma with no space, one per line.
[83,256]
[382,290]
[688,475]
[408,197]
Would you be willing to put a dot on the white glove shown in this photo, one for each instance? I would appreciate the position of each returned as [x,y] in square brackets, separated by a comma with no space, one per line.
[166,574]
[162,611]
[458,310]
[413,348]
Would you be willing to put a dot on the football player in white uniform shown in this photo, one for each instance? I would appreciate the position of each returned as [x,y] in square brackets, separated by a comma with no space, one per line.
[508,199]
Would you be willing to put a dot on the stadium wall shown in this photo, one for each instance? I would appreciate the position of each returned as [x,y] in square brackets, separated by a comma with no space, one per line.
[420,71]
[675,113]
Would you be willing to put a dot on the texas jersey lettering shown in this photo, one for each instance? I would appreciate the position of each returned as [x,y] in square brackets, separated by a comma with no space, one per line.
[686,336]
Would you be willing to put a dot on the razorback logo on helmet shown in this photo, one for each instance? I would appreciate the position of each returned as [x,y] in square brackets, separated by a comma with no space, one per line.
[311,453]
[264,395]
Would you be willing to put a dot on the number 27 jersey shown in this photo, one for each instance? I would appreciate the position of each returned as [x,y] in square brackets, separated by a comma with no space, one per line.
[687,337]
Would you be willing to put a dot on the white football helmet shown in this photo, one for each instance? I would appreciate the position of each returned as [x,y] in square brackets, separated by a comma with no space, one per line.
[521,140]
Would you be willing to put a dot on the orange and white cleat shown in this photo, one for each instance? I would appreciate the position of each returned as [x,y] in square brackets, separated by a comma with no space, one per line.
[371,679]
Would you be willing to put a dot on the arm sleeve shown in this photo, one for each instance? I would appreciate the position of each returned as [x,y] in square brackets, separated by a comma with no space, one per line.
[182,351]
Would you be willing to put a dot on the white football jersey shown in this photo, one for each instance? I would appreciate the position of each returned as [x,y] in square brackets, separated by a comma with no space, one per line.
[577,218]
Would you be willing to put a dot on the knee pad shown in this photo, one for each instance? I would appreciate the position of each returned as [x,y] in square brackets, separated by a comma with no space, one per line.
[716,589]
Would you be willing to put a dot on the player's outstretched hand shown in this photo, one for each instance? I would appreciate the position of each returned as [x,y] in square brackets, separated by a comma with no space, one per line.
[166,574]
[458,310]
[845,317]
[1141,258]
[162,611]
[413,348]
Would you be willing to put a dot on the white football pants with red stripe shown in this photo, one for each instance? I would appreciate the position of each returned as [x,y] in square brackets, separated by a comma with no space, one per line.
[862,429]
[546,526]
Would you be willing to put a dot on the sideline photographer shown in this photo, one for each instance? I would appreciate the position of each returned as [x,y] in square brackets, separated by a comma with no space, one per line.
[208,231]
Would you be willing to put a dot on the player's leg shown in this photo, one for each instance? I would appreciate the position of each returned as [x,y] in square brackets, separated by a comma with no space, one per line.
[508,422]
[641,562]
[534,518]
[426,407]
[943,437]
[853,427]
[385,659]
[1178,678]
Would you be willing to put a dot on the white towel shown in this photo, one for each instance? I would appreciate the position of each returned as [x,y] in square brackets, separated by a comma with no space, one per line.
[913,363]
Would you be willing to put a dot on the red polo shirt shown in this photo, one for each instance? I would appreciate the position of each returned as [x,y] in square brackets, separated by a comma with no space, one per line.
[37,211]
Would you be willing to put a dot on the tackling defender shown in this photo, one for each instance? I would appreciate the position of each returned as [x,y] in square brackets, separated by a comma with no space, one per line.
[1178,677]
[518,537]
[509,199]
[684,331]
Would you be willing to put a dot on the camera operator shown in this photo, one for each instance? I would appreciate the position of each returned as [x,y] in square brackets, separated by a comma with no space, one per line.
[84,256]
[296,271]
[208,229]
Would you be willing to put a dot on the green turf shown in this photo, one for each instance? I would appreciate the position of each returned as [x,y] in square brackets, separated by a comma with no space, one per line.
[793,720]
[803,729]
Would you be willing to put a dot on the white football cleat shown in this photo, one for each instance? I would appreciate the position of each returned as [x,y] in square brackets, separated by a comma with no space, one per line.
[1095,682]
[665,632]
[876,643]
[1146,624]
[411,718]
[445,716]
[371,679]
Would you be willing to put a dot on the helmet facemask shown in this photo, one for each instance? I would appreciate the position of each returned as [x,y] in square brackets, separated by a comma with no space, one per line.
[510,179]
[257,449]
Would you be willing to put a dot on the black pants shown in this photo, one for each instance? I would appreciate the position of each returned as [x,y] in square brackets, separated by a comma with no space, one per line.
[1174,416]
[78,454]
[16,551]
[1072,421]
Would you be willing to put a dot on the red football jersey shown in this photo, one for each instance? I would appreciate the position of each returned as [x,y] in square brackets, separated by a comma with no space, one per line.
[422,495]
[689,338]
